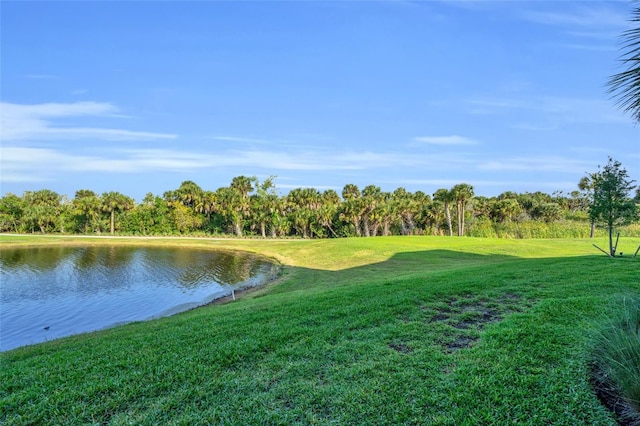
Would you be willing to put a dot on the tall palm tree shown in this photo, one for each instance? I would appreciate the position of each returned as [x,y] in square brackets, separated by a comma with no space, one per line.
[351,208]
[189,193]
[586,185]
[461,194]
[233,207]
[625,86]
[405,208]
[328,210]
[206,204]
[304,204]
[243,184]
[88,206]
[445,197]
[112,201]
[371,195]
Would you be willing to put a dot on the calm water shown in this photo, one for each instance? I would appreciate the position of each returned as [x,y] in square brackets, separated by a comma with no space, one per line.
[51,292]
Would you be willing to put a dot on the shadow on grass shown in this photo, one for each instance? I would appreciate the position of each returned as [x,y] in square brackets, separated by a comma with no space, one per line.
[399,266]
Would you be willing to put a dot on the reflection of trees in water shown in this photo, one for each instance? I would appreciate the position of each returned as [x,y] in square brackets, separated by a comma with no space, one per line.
[107,257]
[39,273]
[35,258]
[194,267]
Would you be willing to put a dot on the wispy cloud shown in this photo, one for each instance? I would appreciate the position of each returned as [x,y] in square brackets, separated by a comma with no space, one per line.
[551,108]
[19,122]
[41,76]
[239,139]
[445,140]
[536,163]
[30,163]
[586,16]
[594,25]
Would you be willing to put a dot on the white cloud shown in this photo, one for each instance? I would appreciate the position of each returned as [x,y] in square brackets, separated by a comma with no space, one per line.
[239,139]
[20,122]
[41,76]
[445,140]
[536,163]
[557,109]
[592,16]
[43,163]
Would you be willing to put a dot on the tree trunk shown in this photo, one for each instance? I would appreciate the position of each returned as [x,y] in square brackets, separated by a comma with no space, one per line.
[113,221]
[356,225]
[447,211]
[263,230]
[593,229]
[461,219]
[365,226]
[612,250]
[385,228]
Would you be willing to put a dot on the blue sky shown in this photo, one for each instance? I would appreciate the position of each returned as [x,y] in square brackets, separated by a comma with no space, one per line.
[137,97]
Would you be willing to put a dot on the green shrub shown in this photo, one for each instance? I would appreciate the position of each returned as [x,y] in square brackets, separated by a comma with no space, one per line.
[616,363]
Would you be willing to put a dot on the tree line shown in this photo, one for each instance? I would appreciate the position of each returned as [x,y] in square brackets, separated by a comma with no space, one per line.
[250,207]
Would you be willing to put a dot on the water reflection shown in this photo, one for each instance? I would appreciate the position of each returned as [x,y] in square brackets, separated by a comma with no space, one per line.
[49,292]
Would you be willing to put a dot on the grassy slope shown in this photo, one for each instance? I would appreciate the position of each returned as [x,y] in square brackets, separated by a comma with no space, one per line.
[356,331]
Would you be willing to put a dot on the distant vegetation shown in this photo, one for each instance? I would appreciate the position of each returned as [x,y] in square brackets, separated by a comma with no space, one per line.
[248,207]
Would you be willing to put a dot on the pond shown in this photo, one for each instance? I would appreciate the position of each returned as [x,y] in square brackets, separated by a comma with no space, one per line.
[51,292]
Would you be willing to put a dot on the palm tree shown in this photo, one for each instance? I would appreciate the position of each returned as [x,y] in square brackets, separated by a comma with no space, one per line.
[233,207]
[371,195]
[405,208]
[112,201]
[505,210]
[304,204]
[625,86]
[88,206]
[206,204]
[189,193]
[42,209]
[461,194]
[434,216]
[351,208]
[586,186]
[244,184]
[445,197]
[328,210]
[262,204]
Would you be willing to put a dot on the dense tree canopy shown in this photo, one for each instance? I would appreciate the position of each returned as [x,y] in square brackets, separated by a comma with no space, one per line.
[248,207]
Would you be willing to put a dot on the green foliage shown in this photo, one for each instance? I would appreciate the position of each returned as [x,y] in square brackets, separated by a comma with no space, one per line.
[611,203]
[625,86]
[249,208]
[616,358]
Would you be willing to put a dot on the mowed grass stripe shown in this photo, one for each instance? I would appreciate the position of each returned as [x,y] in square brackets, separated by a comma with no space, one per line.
[342,340]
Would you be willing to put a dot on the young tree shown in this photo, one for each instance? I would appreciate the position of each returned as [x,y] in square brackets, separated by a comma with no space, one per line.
[611,202]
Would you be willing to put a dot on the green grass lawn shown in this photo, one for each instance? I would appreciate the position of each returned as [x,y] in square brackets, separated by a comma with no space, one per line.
[398,330]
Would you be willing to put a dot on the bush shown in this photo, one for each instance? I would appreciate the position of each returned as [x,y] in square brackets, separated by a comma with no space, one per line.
[616,364]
